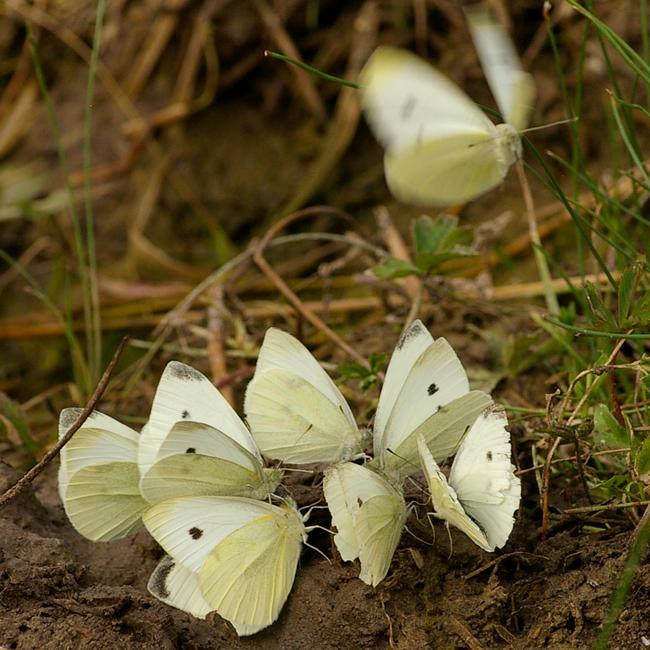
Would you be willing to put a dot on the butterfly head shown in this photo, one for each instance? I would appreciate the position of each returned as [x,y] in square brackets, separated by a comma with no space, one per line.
[509,144]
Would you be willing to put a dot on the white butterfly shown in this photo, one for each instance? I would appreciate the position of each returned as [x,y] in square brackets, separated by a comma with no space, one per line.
[232,555]
[482,492]
[98,477]
[425,392]
[441,148]
[195,444]
[369,515]
[295,411]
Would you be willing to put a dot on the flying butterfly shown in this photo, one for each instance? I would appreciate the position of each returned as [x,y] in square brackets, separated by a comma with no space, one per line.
[441,148]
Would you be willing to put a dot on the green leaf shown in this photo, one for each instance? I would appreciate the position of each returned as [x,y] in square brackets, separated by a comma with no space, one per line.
[438,240]
[608,432]
[626,287]
[601,314]
[642,460]
[640,310]
[352,370]
[393,268]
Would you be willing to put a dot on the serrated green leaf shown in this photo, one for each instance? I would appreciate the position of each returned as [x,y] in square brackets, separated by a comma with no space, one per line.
[392,269]
[438,240]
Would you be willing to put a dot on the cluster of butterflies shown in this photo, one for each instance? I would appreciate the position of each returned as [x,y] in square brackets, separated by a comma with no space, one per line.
[196,478]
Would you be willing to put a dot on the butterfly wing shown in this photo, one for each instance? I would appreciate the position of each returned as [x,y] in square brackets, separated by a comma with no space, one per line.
[295,411]
[98,477]
[442,432]
[185,394]
[244,552]
[197,459]
[369,515]
[513,89]
[447,170]
[445,501]
[407,101]
[424,380]
[483,476]
[411,344]
[177,586]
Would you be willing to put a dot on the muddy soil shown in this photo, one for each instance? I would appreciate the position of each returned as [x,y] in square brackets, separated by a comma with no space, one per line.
[58,590]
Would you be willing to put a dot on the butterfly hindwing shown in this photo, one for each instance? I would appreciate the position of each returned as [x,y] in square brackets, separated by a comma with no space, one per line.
[98,477]
[243,552]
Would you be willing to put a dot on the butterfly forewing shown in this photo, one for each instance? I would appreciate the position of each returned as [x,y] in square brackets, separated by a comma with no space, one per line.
[197,459]
[98,477]
[369,515]
[483,476]
[184,394]
[435,379]
[177,586]
[407,101]
[513,89]
[411,344]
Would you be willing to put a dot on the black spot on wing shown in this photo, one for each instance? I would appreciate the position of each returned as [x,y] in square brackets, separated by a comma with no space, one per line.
[414,330]
[190,450]
[489,455]
[68,417]
[432,389]
[195,533]
[408,107]
[359,501]
[185,414]
[159,582]
[183,372]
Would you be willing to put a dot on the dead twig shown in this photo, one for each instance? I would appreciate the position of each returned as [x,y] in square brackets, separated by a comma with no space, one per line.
[77,424]
[284,289]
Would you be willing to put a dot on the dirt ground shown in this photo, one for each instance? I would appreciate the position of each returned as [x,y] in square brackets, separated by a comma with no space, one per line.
[173,201]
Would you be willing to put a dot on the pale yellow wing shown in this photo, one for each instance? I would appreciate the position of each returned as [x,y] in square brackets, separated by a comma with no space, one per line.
[446,170]
[248,576]
[197,459]
[98,477]
[369,515]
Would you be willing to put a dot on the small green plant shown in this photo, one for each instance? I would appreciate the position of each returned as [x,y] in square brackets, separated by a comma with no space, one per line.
[435,241]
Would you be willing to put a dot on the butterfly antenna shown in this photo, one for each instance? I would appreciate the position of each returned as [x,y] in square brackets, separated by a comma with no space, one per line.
[297,469]
[546,126]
